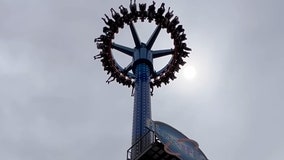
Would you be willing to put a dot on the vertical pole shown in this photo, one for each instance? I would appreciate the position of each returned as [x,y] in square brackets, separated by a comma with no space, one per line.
[142,109]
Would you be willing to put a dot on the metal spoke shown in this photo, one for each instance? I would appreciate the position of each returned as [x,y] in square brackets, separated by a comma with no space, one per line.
[128,51]
[128,68]
[153,38]
[135,35]
[164,68]
[161,53]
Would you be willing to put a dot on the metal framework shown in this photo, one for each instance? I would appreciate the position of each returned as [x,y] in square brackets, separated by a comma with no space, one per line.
[140,73]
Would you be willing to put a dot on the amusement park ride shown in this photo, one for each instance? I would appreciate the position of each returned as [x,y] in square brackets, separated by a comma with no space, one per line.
[151,140]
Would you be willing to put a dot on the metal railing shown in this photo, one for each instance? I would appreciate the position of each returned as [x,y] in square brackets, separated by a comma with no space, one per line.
[141,145]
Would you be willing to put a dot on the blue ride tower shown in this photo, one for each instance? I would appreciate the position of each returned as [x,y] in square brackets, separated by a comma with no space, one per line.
[142,67]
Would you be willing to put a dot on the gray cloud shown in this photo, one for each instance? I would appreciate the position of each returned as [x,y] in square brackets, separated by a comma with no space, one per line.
[54,103]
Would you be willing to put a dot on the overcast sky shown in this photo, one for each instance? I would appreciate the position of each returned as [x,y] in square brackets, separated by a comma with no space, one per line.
[55,104]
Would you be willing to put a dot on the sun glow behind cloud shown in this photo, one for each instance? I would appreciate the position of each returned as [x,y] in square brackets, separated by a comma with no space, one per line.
[189,72]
